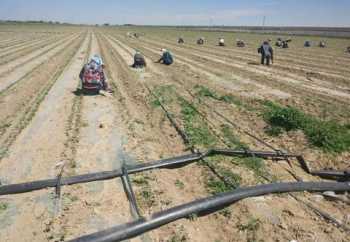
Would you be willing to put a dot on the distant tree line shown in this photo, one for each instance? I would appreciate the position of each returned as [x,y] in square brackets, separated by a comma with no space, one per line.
[33,22]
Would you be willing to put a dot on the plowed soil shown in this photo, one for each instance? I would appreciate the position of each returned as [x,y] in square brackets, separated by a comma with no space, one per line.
[49,129]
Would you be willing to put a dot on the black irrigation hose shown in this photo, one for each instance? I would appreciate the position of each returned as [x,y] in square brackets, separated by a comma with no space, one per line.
[236,126]
[99,176]
[333,175]
[327,174]
[171,120]
[285,156]
[130,193]
[206,206]
[169,163]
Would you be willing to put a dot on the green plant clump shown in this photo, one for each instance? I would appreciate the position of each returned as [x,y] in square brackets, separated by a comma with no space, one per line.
[232,140]
[327,135]
[202,91]
[3,207]
[216,185]
[197,130]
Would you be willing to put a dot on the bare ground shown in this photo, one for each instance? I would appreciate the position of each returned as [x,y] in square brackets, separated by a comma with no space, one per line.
[72,134]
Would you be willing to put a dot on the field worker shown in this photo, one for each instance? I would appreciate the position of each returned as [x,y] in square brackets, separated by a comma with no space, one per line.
[180,41]
[92,75]
[307,43]
[279,42]
[167,58]
[240,43]
[139,60]
[200,41]
[266,52]
[285,44]
[221,41]
[348,49]
[322,44]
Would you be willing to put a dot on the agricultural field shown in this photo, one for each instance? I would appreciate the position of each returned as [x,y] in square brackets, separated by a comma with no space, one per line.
[216,97]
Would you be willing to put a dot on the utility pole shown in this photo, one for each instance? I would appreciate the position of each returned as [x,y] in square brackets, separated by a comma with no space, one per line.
[263,24]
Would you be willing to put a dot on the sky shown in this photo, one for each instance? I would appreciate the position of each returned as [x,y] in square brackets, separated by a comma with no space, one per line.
[326,13]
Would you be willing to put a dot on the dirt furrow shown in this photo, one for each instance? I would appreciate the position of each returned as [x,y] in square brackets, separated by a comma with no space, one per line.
[27,39]
[15,42]
[11,66]
[22,69]
[296,51]
[290,202]
[159,180]
[279,76]
[277,168]
[194,76]
[256,86]
[22,102]
[11,55]
[292,62]
[243,120]
[100,148]
[34,155]
[232,81]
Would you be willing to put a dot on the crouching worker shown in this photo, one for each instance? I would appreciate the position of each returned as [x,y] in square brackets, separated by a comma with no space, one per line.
[266,52]
[92,76]
[221,42]
[167,58]
[200,41]
[139,60]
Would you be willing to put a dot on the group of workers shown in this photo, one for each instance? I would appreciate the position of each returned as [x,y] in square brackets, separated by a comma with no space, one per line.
[281,43]
[140,62]
[92,74]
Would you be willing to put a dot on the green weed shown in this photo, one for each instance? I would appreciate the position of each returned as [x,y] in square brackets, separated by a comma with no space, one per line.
[140,180]
[256,165]
[287,118]
[197,130]
[231,99]
[274,131]
[3,207]
[226,213]
[327,135]
[252,225]
[179,184]
[251,228]
[232,181]
[165,93]
[232,140]
[202,91]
